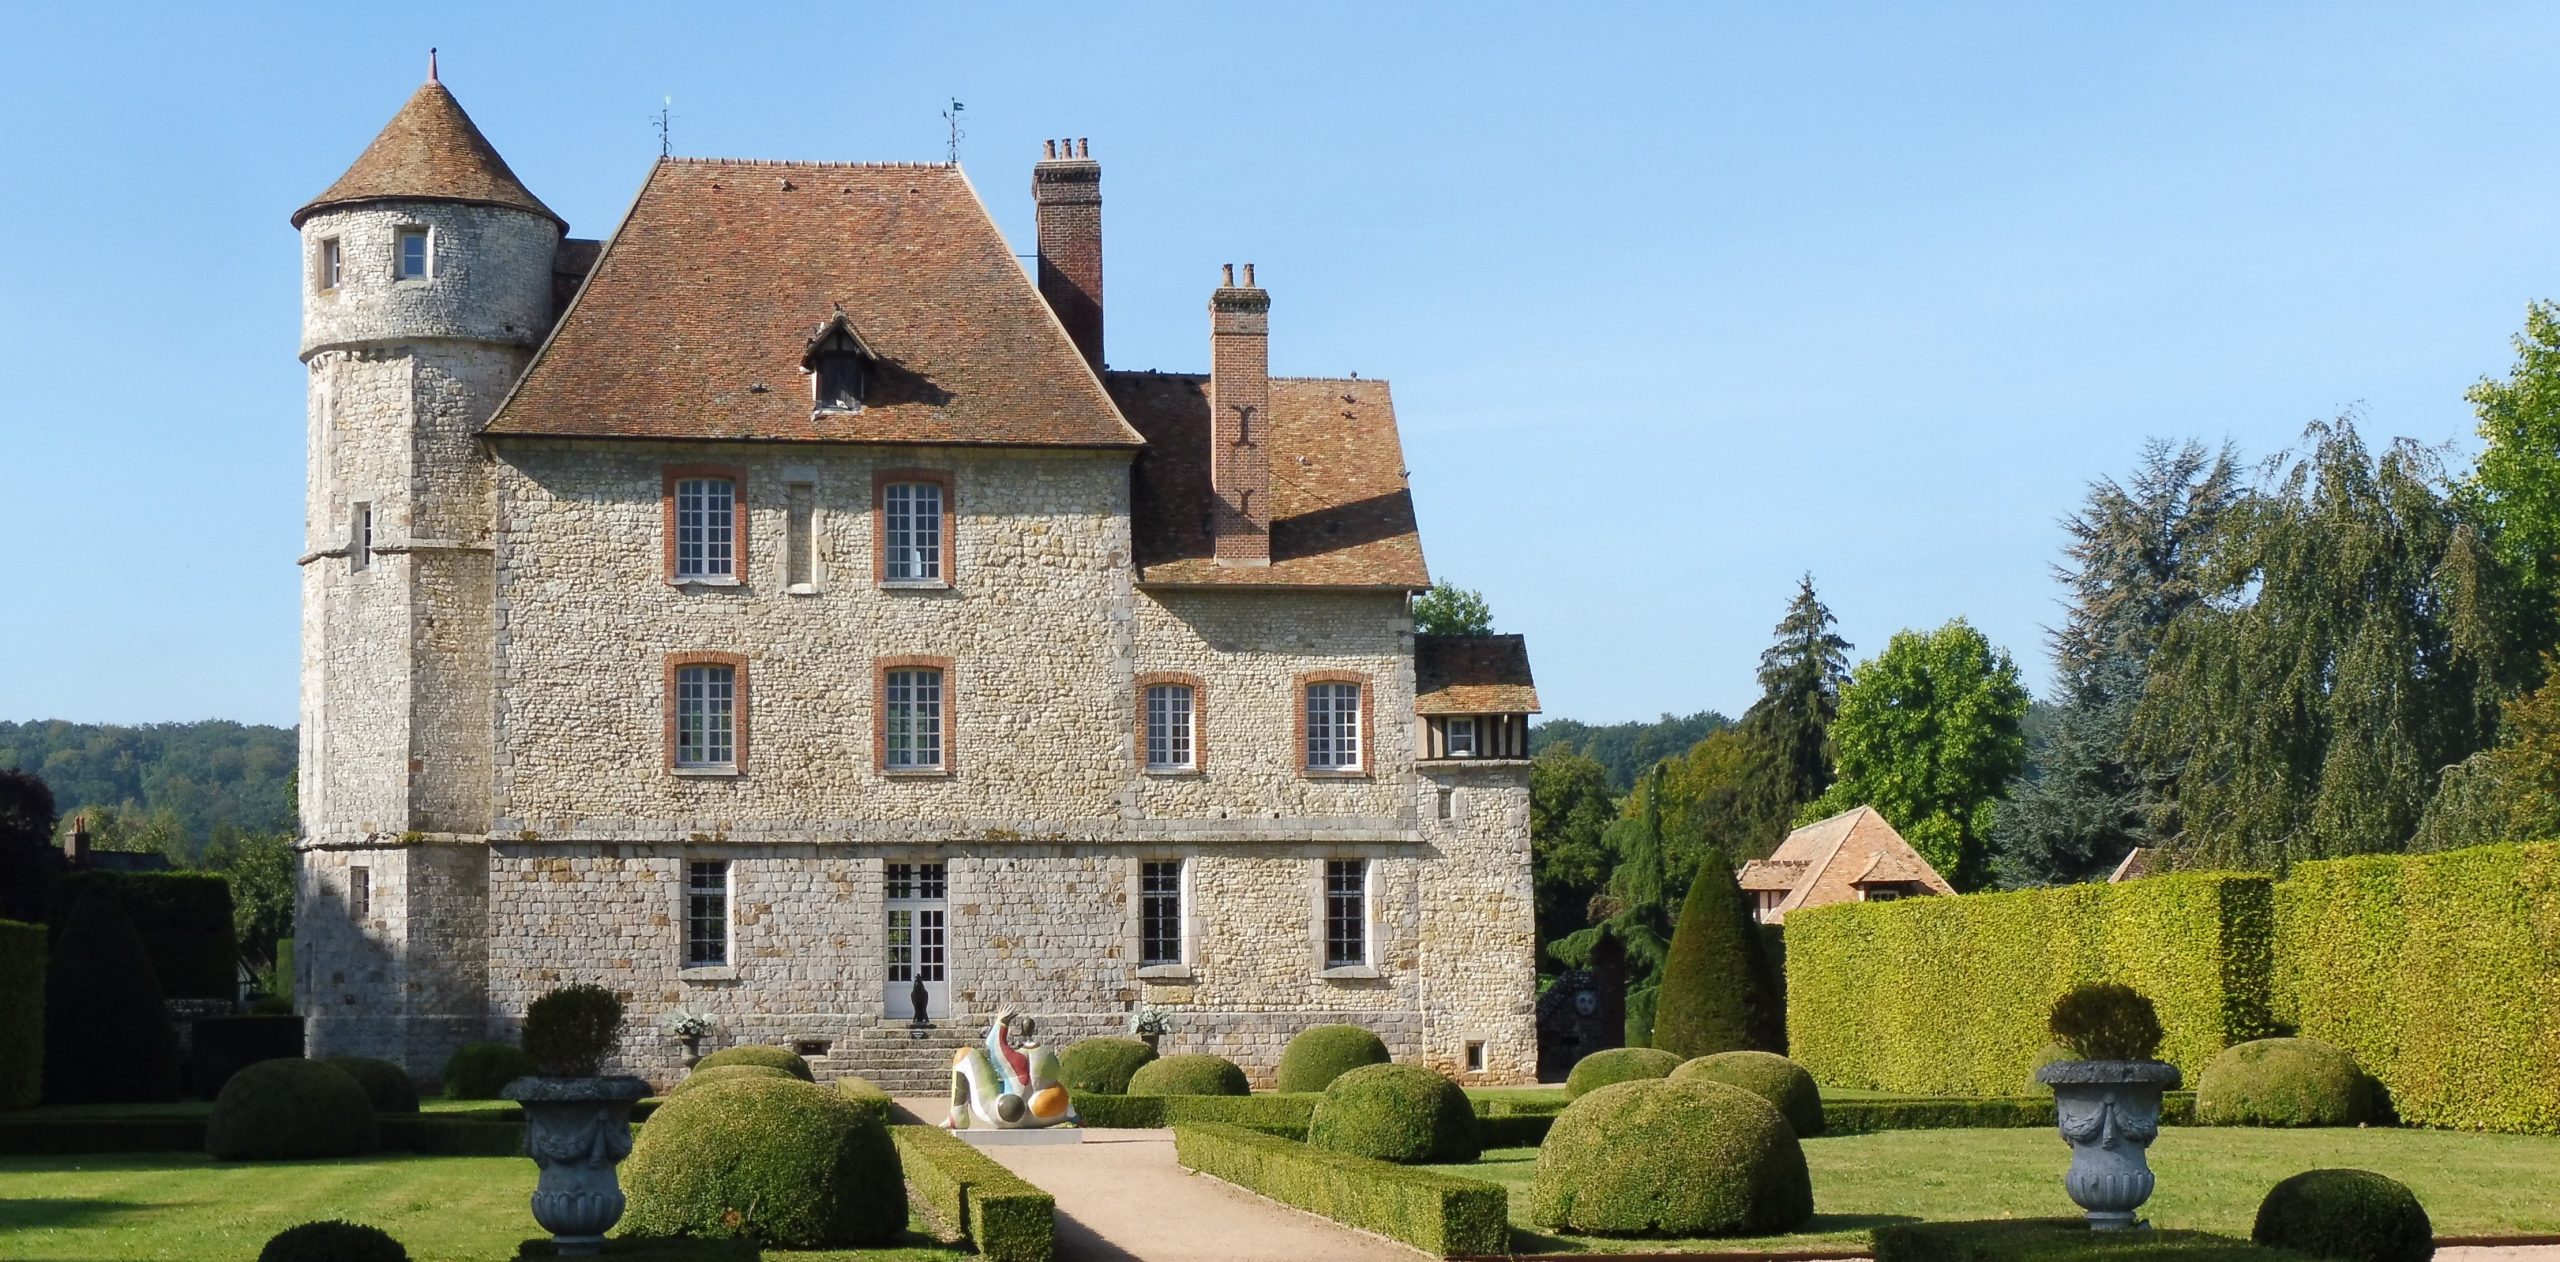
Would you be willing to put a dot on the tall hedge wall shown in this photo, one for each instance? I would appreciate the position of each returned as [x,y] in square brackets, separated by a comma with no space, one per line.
[21,1015]
[2440,972]
[184,919]
[1948,996]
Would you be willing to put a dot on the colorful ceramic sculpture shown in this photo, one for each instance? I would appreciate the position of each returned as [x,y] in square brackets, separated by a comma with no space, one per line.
[1009,1084]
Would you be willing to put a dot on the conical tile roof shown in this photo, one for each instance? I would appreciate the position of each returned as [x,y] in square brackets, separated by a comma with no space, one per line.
[430,151]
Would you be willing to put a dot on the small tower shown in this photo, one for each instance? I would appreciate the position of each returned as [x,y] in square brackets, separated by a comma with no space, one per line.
[426,282]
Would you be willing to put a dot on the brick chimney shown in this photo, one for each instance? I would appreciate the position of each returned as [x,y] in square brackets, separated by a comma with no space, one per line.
[75,844]
[1066,186]
[1240,419]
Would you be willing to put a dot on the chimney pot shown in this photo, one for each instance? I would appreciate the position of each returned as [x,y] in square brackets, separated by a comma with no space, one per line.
[1248,275]
[1048,148]
[1227,276]
[1081,151]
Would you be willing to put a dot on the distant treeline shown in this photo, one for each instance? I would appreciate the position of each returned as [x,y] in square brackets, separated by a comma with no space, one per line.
[1629,749]
[204,781]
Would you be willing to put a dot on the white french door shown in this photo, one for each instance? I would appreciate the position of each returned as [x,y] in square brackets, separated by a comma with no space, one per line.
[916,941]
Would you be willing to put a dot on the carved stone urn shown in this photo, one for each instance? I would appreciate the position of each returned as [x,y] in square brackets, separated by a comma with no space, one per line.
[2109,1112]
[577,1130]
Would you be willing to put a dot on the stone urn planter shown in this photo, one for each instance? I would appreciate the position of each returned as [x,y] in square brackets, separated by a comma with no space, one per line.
[2109,1112]
[577,1130]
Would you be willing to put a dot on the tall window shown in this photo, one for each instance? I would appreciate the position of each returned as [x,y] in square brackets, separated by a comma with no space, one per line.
[706,528]
[914,727]
[1346,913]
[1169,728]
[332,263]
[360,538]
[911,520]
[1333,727]
[706,716]
[706,913]
[359,891]
[1462,738]
[799,567]
[410,257]
[1160,912]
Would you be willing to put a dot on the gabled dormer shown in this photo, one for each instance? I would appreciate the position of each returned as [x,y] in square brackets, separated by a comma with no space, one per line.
[839,365]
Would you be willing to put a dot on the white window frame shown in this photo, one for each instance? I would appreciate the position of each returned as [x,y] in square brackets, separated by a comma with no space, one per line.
[1151,887]
[722,885]
[1333,727]
[913,699]
[400,239]
[1329,890]
[706,539]
[706,717]
[1455,729]
[332,264]
[911,532]
[1173,729]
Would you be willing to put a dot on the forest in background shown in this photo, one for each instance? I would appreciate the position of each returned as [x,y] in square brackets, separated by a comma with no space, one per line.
[177,788]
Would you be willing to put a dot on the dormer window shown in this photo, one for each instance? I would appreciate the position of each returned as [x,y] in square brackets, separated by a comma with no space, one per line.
[838,365]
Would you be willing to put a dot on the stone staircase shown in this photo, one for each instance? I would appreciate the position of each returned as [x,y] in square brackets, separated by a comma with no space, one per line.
[898,1062]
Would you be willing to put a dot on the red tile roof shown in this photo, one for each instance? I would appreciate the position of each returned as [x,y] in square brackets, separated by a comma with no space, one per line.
[1830,857]
[1472,674]
[1341,516]
[694,321]
[429,151]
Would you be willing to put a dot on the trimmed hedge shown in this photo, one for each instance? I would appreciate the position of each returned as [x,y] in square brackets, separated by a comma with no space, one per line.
[769,1159]
[1190,1073]
[781,1058]
[221,1046]
[1101,1066]
[1319,1054]
[2348,1215]
[2283,1082]
[1671,1158]
[107,1033]
[479,1071]
[1616,1065]
[279,1110]
[1513,1130]
[2433,971]
[2057,1240]
[1008,1219]
[1437,1213]
[332,1240]
[40,1135]
[1973,979]
[1401,1113]
[866,1096]
[184,919]
[22,957]
[1774,1078]
[384,1083]
[705,1075]
[1266,1111]
[1867,1117]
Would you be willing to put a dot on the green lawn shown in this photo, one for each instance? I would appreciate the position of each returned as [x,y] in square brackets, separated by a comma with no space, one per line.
[2211,1178]
[173,1206]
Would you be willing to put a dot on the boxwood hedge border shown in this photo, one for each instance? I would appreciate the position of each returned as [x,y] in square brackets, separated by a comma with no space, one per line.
[1440,1214]
[1006,1218]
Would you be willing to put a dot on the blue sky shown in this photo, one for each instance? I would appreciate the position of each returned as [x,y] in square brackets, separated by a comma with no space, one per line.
[1678,301]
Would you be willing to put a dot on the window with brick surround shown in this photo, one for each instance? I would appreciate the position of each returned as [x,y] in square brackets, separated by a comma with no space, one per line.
[706,528]
[707,716]
[1333,726]
[1160,912]
[911,525]
[706,913]
[1169,726]
[411,254]
[1346,913]
[913,704]
[359,891]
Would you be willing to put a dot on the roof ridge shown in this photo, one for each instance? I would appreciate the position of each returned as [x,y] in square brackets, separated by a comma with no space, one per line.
[807,163]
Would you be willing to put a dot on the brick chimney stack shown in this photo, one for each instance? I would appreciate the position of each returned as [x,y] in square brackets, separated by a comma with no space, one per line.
[75,844]
[1240,419]
[1066,186]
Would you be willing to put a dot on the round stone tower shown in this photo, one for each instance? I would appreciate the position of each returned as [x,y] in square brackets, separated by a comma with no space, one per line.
[427,286]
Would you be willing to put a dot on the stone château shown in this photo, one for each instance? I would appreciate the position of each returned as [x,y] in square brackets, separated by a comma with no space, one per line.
[778,610]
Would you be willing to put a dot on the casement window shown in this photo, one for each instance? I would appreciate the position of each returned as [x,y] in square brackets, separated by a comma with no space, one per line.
[359,892]
[911,704]
[1333,727]
[331,266]
[911,521]
[706,913]
[411,257]
[1169,727]
[799,538]
[360,537]
[1461,738]
[1346,913]
[1160,912]
[706,716]
[706,528]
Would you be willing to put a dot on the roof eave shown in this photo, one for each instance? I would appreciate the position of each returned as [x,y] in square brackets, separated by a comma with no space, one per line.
[374,199]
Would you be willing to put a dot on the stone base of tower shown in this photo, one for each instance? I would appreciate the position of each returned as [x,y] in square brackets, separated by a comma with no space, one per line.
[391,950]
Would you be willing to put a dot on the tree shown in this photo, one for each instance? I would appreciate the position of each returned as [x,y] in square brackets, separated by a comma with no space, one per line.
[1713,997]
[261,871]
[1628,750]
[2513,493]
[1570,808]
[2356,637]
[1448,610]
[28,858]
[2134,563]
[1801,675]
[1708,811]
[107,1034]
[1633,912]
[1929,733]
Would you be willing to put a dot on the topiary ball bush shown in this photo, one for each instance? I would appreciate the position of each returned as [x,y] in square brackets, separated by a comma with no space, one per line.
[332,1240]
[1320,1054]
[2349,1215]
[705,1075]
[1401,1113]
[2053,1053]
[384,1083]
[1787,1086]
[771,1159]
[1691,1158]
[2106,1021]
[2283,1082]
[781,1058]
[277,1110]
[479,1071]
[572,1031]
[1189,1074]
[1618,1064]
[1102,1066]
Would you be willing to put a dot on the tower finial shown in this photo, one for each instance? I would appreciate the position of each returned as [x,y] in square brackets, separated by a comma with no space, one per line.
[431,65]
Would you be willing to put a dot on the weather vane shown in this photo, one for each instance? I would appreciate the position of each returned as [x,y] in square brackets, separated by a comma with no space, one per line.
[666,126]
[952,116]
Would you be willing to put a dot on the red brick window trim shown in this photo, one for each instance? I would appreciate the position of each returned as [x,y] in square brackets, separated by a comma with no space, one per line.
[675,474]
[1368,747]
[738,710]
[1193,731]
[942,553]
[943,715]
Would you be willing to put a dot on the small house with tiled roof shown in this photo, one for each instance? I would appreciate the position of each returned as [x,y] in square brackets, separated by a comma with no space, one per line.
[781,611]
[1854,856]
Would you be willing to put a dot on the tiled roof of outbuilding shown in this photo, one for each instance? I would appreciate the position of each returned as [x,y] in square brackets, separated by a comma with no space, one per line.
[1341,514]
[430,151]
[695,320]
[1472,674]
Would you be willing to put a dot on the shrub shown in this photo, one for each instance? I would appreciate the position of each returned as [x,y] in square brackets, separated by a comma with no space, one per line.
[2105,1021]
[1401,1113]
[1102,1065]
[1189,1074]
[331,1240]
[2053,1053]
[281,1109]
[705,1075]
[1618,1064]
[2057,1240]
[107,1035]
[385,1084]
[1270,1111]
[1321,1053]
[2283,1082]
[220,1046]
[774,1160]
[1973,979]
[2350,1215]
[21,1015]
[1774,1078]
[479,1071]
[570,1032]
[2432,971]
[1440,1214]
[780,1058]
[1712,998]
[1006,1218]
[183,919]
[1671,1158]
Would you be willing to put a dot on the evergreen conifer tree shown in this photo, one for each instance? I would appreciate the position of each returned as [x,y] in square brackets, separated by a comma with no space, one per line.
[1634,911]
[107,1035]
[1712,996]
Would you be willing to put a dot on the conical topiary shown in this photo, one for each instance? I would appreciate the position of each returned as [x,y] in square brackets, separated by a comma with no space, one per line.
[1712,999]
[107,1034]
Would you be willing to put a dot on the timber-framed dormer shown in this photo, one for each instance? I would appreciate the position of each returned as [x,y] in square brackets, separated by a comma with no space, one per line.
[1474,695]
[839,365]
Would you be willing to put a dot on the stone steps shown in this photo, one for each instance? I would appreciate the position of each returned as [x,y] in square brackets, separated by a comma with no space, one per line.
[893,1059]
